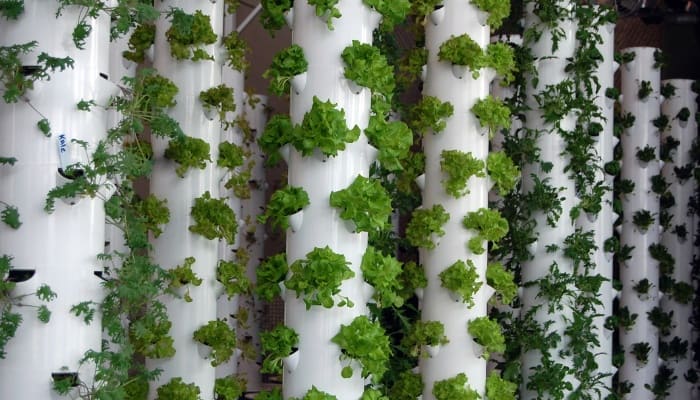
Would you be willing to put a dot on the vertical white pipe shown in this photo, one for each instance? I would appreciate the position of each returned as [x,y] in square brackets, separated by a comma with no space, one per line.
[322,226]
[256,115]
[177,242]
[463,132]
[681,248]
[602,224]
[61,247]
[550,68]
[641,265]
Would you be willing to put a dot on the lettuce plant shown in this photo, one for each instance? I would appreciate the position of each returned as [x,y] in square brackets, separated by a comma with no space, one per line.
[393,11]
[220,337]
[424,223]
[463,50]
[315,394]
[498,10]
[279,131]
[498,388]
[187,33]
[382,272]
[424,333]
[318,277]
[488,334]
[365,202]
[236,49]
[272,15]
[503,172]
[393,140]
[276,345]
[366,66]
[213,219]
[183,275]
[366,342]
[176,388]
[141,39]
[269,274]
[188,152]
[430,114]
[327,10]
[323,127]
[458,167]
[454,388]
[233,276]
[283,203]
[229,388]
[501,58]
[490,227]
[461,279]
[220,99]
[502,281]
[492,114]
[285,65]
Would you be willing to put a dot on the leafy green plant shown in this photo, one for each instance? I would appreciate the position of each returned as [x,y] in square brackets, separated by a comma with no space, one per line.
[15,83]
[176,388]
[659,59]
[315,394]
[182,275]
[276,345]
[612,93]
[187,33]
[643,219]
[498,11]
[426,223]
[463,50]
[324,127]
[285,65]
[462,279]
[683,115]
[278,132]
[641,351]
[365,202]
[283,203]
[188,152]
[236,49]
[454,388]
[213,219]
[661,319]
[318,277]
[488,334]
[424,333]
[10,215]
[492,114]
[661,122]
[220,99]
[408,386]
[270,273]
[622,319]
[10,320]
[645,90]
[366,66]
[490,227]
[229,388]
[273,394]
[220,337]
[393,11]
[502,281]
[502,171]
[272,15]
[231,156]
[233,276]
[459,167]
[382,272]
[646,154]
[501,58]
[373,394]
[366,342]
[625,57]
[668,90]
[412,278]
[11,9]
[141,39]
[498,388]
[430,114]
[393,140]
[326,9]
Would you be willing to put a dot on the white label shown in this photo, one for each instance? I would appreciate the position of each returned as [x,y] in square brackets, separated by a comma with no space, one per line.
[64,159]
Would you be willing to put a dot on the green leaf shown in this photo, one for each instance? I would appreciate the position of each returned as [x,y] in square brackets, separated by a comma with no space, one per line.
[490,226]
[269,274]
[366,342]
[424,333]
[278,132]
[10,216]
[84,308]
[324,127]
[463,50]
[393,12]
[285,65]
[502,281]
[368,67]
[176,388]
[276,345]
[488,334]
[43,313]
[318,278]
[502,171]
[462,279]
[189,152]
[272,15]
[187,33]
[492,114]
[220,338]
[382,272]
[454,388]
[498,388]
[213,219]
[283,203]
[326,10]
[458,167]
[425,223]
[430,114]
[393,140]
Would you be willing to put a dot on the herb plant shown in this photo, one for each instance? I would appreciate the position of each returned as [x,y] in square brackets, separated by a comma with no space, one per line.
[220,337]
[366,342]
[459,167]
[365,202]
[318,277]
[462,279]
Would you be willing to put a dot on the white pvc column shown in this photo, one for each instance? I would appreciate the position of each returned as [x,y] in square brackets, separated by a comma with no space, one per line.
[463,132]
[602,224]
[680,248]
[550,67]
[61,247]
[256,115]
[641,265]
[177,242]
[319,363]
